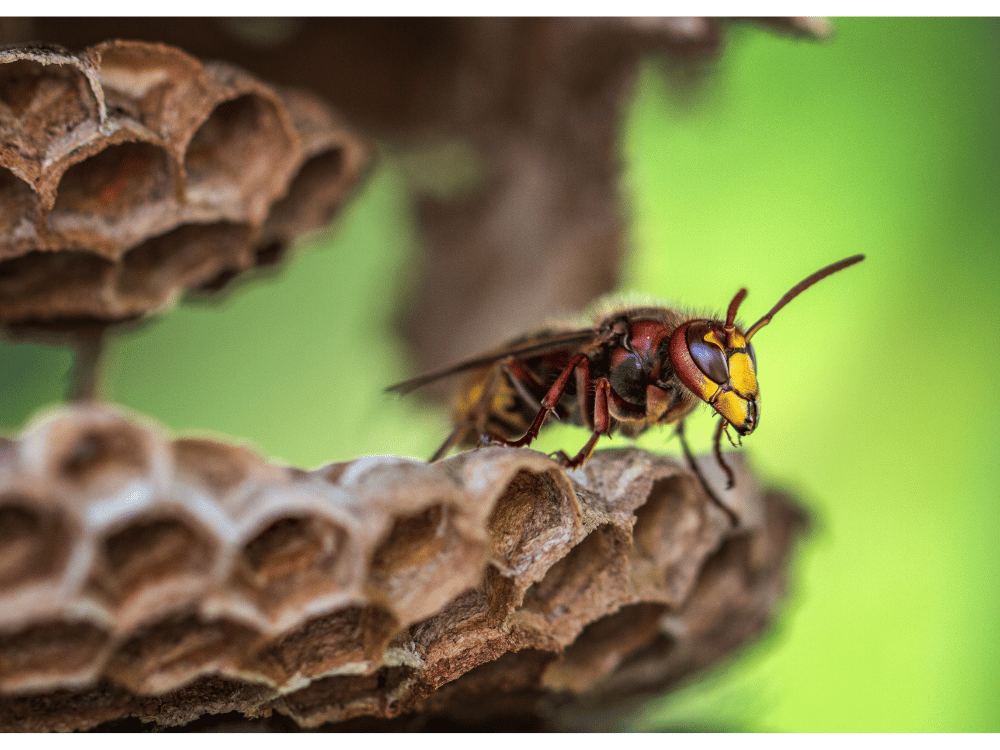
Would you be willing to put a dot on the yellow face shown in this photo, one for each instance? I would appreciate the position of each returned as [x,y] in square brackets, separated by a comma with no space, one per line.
[742,372]
[715,359]
[718,366]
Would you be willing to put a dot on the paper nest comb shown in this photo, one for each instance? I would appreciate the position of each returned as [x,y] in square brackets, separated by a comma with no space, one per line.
[167,579]
[132,172]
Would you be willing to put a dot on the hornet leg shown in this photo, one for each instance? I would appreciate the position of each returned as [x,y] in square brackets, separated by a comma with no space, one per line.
[549,403]
[733,519]
[602,424]
[717,450]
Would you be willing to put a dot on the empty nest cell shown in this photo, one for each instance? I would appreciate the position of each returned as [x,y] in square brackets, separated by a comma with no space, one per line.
[350,640]
[423,562]
[664,571]
[232,159]
[34,541]
[294,558]
[603,646]
[111,184]
[164,556]
[155,272]
[40,285]
[51,654]
[171,653]
[341,698]
[530,515]
[98,457]
[218,468]
[593,578]
[49,109]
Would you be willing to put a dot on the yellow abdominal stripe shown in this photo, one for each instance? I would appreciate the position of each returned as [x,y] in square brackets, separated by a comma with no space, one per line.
[476,391]
[473,395]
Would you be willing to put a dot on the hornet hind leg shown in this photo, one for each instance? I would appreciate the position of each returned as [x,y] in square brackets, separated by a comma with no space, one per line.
[733,518]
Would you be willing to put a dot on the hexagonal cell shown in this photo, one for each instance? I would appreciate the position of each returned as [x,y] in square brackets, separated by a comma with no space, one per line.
[532,514]
[50,654]
[42,286]
[313,196]
[725,586]
[167,654]
[263,258]
[603,646]
[34,543]
[586,584]
[162,84]
[162,267]
[141,69]
[351,638]
[232,475]
[43,101]
[292,560]
[440,637]
[344,697]
[423,562]
[111,185]
[672,533]
[150,553]
[497,689]
[218,467]
[97,457]
[19,85]
[231,158]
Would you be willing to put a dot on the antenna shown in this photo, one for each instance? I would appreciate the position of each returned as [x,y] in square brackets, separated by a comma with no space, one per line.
[733,306]
[796,290]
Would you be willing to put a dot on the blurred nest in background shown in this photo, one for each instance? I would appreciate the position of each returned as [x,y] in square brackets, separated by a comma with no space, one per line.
[131,173]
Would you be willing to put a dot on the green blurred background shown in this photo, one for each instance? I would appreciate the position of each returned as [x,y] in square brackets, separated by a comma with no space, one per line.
[876,386]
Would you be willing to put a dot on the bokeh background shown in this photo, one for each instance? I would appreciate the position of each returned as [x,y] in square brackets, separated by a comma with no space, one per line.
[879,385]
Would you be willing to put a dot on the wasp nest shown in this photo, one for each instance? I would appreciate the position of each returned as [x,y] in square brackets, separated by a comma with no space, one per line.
[132,172]
[163,579]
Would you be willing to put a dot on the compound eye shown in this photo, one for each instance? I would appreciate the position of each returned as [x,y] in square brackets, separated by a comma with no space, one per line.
[710,358]
[753,357]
